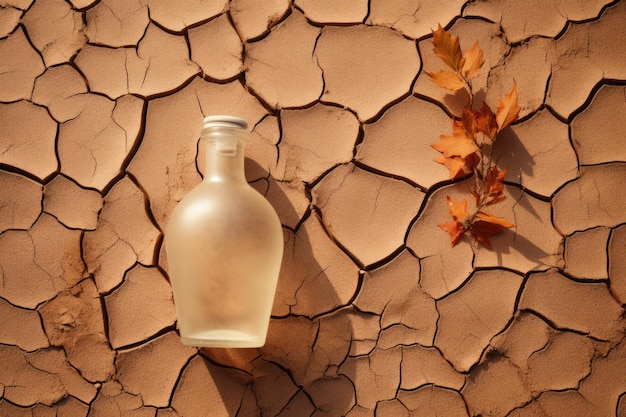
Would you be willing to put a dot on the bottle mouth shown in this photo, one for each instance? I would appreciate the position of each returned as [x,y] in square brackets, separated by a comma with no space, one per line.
[225,121]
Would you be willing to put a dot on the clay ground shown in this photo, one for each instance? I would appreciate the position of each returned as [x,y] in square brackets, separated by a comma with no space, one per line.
[101,105]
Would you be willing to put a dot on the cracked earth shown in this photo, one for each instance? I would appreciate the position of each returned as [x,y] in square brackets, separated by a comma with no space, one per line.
[376,315]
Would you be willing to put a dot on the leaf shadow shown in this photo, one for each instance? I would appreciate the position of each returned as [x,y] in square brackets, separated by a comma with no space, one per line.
[509,152]
[532,252]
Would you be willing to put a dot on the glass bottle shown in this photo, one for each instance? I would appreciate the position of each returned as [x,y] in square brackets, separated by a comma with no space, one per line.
[224,245]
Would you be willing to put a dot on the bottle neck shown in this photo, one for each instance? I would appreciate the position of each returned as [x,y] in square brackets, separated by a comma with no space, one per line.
[225,155]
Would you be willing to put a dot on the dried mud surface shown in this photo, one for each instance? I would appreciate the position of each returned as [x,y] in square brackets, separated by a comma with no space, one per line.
[101,104]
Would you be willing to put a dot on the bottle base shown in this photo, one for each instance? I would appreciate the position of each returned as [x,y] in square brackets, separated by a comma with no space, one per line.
[223,339]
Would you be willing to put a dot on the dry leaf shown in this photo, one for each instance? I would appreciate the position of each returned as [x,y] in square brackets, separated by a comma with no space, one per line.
[447,48]
[490,218]
[486,122]
[481,230]
[507,110]
[472,62]
[457,166]
[458,144]
[447,79]
[494,185]
[487,225]
[459,151]
[455,229]
[458,209]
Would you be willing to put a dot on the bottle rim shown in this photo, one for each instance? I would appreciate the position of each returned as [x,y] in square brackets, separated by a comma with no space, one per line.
[225,120]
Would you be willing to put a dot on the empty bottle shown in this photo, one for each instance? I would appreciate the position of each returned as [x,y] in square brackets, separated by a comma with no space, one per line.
[224,245]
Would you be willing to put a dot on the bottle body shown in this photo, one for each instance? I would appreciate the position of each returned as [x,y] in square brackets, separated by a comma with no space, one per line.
[224,245]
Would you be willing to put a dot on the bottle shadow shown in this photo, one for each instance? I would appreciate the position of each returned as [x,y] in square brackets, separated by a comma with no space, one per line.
[297,371]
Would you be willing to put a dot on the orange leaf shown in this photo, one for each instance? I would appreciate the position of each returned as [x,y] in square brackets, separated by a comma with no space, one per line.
[457,166]
[486,121]
[472,161]
[458,128]
[458,209]
[494,220]
[487,225]
[459,146]
[447,79]
[460,152]
[495,183]
[507,110]
[482,230]
[455,229]
[473,61]
[447,48]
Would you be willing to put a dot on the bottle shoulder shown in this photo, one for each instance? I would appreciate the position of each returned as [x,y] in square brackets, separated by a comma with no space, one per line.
[234,199]
[226,189]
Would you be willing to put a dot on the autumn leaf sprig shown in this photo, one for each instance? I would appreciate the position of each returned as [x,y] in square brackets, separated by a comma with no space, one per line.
[468,150]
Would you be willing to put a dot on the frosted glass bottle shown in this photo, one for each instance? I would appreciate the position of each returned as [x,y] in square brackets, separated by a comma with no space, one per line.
[224,245]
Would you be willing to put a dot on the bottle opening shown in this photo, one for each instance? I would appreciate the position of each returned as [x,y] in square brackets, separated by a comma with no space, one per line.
[223,120]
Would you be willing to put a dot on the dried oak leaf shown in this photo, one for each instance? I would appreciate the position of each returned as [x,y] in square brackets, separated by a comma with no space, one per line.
[457,144]
[447,79]
[494,186]
[456,228]
[459,151]
[486,122]
[472,61]
[495,220]
[487,225]
[457,209]
[447,48]
[458,167]
[508,109]
[465,66]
